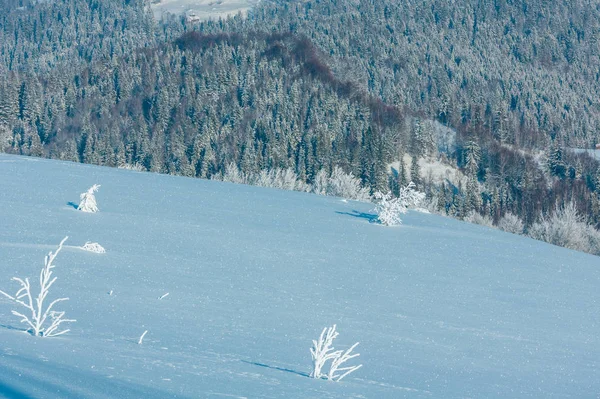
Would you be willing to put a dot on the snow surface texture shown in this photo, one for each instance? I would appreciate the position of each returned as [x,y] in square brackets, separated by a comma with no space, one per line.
[442,308]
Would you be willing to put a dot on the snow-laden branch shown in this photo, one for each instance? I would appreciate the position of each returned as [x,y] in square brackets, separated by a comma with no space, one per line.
[42,321]
[322,351]
[88,200]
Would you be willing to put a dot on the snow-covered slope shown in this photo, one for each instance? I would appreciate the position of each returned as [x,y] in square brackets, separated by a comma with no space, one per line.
[442,309]
[201,10]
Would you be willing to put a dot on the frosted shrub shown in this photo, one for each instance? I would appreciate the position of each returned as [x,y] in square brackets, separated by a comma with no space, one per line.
[511,224]
[593,239]
[88,200]
[389,209]
[476,218]
[93,247]
[135,167]
[565,228]
[340,184]
[285,179]
[43,321]
[323,351]
[233,175]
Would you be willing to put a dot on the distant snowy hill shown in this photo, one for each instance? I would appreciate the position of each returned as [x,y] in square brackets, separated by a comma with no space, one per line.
[442,309]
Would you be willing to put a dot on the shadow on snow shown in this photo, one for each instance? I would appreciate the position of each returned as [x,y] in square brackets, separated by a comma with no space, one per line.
[368,216]
[277,368]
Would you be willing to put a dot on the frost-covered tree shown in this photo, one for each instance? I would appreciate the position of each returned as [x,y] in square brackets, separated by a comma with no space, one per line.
[476,218]
[233,175]
[389,209]
[323,351]
[285,179]
[511,224]
[88,200]
[566,228]
[43,320]
[339,184]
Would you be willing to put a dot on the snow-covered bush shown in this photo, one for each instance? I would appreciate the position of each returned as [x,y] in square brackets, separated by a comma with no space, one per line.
[476,218]
[135,166]
[340,184]
[93,247]
[43,320]
[322,351]
[566,228]
[88,200]
[389,209]
[511,224]
[285,179]
[233,175]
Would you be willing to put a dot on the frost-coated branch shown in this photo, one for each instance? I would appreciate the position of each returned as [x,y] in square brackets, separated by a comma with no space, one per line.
[40,314]
[323,351]
[142,337]
[336,373]
[88,200]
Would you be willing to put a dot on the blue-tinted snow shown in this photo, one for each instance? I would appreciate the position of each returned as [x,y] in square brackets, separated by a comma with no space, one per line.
[442,309]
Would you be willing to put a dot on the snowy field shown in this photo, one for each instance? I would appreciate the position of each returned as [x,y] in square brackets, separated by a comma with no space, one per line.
[201,10]
[592,153]
[442,309]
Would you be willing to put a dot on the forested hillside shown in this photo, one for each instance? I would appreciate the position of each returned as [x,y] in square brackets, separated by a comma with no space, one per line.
[313,85]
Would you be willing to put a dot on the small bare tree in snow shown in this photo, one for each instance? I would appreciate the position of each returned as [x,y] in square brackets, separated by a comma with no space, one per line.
[322,351]
[88,200]
[43,321]
[389,209]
